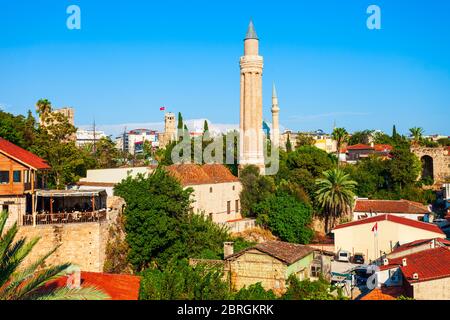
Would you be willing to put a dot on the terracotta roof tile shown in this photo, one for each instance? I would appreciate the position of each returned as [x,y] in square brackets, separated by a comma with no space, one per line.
[390,206]
[429,264]
[193,174]
[23,156]
[417,243]
[385,293]
[389,217]
[376,147]
[117,286]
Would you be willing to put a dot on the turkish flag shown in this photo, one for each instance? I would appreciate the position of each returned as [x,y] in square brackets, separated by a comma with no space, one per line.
[162,109]
[375,228]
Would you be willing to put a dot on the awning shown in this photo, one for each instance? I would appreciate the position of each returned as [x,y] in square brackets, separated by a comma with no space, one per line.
[70,193]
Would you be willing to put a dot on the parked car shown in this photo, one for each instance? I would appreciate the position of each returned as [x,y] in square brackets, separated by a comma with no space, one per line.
[343,256]
[358,258]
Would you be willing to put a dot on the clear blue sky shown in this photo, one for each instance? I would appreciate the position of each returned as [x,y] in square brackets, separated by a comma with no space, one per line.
[131,57]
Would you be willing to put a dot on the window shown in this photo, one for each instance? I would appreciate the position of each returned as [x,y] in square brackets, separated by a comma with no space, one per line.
[17,176]
[5,208]
[229,207]
[4,177]
[211,190]
[234,188]
[237,206]
[315,271]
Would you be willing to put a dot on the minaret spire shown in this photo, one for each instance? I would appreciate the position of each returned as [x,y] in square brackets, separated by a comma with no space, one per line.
[275,118]
[251,33]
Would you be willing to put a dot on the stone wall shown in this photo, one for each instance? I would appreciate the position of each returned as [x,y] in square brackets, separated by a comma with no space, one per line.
[16,208]
[82,244]
[441,161]
[432,290]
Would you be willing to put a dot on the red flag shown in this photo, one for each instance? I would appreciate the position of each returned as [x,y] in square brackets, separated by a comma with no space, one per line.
[162,109]
[375,228]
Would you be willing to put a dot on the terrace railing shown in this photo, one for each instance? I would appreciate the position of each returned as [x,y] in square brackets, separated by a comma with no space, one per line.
[65,218]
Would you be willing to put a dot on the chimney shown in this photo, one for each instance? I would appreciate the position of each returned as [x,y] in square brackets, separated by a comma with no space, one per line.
[404,263]
[385,262]
[228,249]
[372,145]
[74,278]
[416,276]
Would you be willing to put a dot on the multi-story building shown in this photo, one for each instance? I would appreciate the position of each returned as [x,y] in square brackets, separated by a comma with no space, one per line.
[89,136]
[133,140]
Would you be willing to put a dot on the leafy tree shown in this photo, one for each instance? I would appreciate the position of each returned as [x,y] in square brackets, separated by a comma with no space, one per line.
[155,206]
[308,290]
[286,217]
[444,142]
[180,121]
[395,135]
[106,153]
[304,139]
[255,292]
[340,135]
[29,283]
[335,194]
[358,137]
[17,129]
[180,281]
[255,188]
[404,168]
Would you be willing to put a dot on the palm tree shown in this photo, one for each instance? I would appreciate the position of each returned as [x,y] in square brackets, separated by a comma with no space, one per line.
[416,133]
[335,195]
[340,135]
[17,283]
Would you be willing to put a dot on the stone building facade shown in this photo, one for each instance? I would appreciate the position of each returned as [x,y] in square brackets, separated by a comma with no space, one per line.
[435,163]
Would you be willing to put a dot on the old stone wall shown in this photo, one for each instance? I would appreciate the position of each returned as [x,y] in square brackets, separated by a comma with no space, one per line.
[432,290]
[15,206]
[441,161]
[82,244]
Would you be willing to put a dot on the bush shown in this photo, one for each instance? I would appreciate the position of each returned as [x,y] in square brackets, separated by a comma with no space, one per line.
[255,292]
[286,217]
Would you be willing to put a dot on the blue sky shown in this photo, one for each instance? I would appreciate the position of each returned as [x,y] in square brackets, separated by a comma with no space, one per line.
[131,57]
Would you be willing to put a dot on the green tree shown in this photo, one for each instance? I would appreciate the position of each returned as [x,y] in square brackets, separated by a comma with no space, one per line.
[304,139]
[394,133]
[180,121]
[29,283]
[404,168]
[335,195]
[288,144]
[106,153]
[308,290]
[180,281]
[255,188]
[155,205]
[286,217]
[360,137]
[255,292]
[416,133]
[340,135]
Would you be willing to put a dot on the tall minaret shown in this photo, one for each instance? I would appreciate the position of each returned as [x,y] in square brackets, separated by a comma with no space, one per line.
[275,119]
[251,133]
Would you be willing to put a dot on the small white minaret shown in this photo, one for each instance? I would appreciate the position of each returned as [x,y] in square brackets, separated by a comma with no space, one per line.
[275,119]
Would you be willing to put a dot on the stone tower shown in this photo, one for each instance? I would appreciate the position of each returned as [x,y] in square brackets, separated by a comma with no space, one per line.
[251,133]
[275,119]
[169,126]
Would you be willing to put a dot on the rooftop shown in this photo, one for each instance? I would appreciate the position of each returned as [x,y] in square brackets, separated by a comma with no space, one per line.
[193,174]
[23,156]
[429,264]
[117,286]
[283,251]
[390,206]
[417,243]
[384,293]
[395,219]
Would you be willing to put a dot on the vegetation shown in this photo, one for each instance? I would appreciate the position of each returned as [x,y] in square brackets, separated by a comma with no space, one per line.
[309,290]
[335,195]
[304,139]
[286,217]
[340,135]
[255,292]
[29,283]
[360,137]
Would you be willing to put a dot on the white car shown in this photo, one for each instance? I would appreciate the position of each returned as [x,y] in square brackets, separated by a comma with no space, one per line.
[343,256]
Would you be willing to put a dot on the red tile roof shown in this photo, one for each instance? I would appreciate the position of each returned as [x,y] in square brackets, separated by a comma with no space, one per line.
[385,293]
[23,156]
[117,286]
[429,264]
[390,206]
[389,217]
[193,174]
[410,245]
[376,147]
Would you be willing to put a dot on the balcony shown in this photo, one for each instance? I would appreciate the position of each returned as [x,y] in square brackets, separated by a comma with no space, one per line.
[65,218]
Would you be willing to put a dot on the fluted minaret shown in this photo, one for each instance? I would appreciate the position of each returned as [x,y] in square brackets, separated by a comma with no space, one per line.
[251,133]
[275,119]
